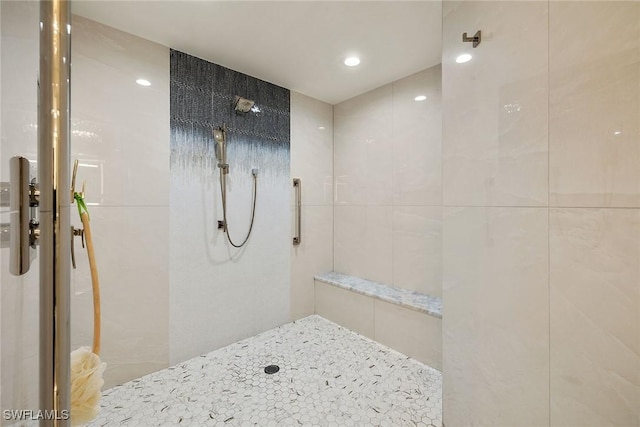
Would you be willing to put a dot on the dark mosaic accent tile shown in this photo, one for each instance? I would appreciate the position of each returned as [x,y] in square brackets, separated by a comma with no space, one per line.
[268,96]
[191,71]
[203,97]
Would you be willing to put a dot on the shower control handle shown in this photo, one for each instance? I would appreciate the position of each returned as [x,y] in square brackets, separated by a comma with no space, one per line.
[24,229]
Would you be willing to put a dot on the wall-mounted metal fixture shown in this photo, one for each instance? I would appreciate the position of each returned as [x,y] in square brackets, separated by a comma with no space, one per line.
[75,231]
[54,164]
[220,137]
[23,226]
[297,184]
[5,197]
[5,202]
[476,39]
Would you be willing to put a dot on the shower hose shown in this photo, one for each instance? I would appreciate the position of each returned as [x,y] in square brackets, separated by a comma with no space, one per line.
[223,191]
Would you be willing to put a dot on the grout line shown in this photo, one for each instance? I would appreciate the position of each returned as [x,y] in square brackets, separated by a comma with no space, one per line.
[549,205]
[120,206]
[333,187]
[393,148]
[442,326]
[485,206]
[544,207]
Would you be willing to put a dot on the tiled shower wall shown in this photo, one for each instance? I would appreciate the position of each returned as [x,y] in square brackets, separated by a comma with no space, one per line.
[312,162]
[220,294]
[541,222]
[120,135]
[387,167]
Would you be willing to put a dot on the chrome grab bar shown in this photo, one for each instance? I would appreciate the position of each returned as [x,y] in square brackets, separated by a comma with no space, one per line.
[297,184]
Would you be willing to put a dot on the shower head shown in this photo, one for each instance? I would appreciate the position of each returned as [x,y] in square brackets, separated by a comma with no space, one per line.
[220,137]
[243,105]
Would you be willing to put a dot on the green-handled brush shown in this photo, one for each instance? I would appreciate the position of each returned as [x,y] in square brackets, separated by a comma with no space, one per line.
[86,367]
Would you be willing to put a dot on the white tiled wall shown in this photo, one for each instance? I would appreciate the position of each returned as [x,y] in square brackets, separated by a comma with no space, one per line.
[349,309]
[413,333]
[495,117]
[541,243]
[388,200]
[594,105]
[594,154]
[496,316]
[363,241]
[595,317]
[312,162]
[120,135]
[219,295]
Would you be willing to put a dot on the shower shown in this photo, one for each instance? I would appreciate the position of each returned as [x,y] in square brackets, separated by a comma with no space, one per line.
[220,137]
[243,105]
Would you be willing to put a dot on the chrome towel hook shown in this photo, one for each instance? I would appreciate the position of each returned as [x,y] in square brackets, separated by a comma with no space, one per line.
[476,39]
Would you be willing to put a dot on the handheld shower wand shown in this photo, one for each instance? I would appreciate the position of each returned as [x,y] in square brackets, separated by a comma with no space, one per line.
[219,135]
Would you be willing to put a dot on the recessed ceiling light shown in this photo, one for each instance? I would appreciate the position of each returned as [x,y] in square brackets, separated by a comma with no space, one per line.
[352,61]
[321,127]
[143,82]
[420,98]
[617,132]
[465,57]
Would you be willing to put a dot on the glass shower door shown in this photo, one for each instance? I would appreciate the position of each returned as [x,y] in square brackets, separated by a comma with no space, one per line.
[19,295]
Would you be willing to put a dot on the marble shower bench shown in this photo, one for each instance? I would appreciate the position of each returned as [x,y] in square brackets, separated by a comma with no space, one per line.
[407,321]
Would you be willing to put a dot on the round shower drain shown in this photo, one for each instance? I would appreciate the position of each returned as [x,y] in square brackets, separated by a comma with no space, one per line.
[271,369]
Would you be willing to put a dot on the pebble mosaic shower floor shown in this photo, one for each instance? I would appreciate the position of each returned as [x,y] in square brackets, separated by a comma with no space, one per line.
[329,376]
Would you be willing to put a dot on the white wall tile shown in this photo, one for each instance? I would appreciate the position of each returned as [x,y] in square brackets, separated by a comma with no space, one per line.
[363,237]
[312,162]
[349,309]
[120,135]
[312,148]
[362,148]
[219,295]
[417,248]
[496,125]
[410,332]
[595,106]
[313,256]
[496,318]
[595,326]
[134,290]
[417,139]
[389,126]
[120,129]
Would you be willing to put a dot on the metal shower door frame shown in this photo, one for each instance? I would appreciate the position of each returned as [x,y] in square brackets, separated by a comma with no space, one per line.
[54,210]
